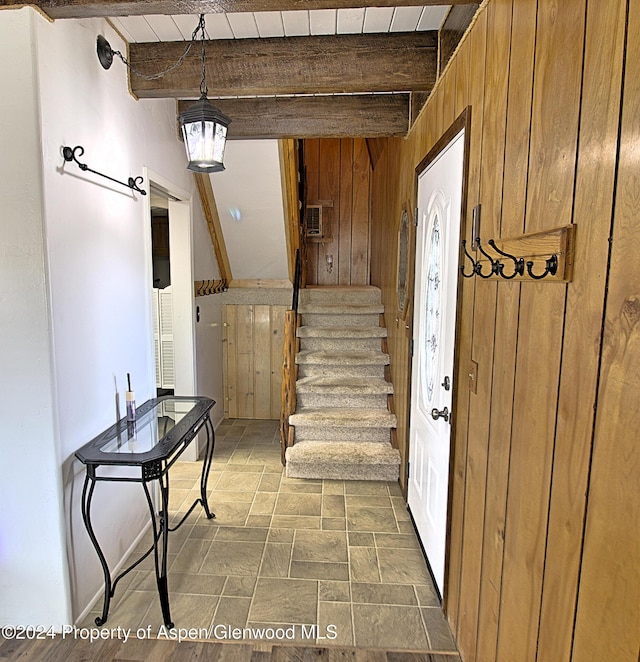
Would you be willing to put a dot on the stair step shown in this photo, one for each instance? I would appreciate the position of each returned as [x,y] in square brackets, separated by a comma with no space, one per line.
[344,358]
[342,417]
[340,309]
[345,392]
[341,293]
[343,385]
[356,332]
[341,314]
[343,460]
[341,338]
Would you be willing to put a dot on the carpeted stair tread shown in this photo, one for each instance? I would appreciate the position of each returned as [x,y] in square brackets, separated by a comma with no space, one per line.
[342,332]
[343,460]
[341,294]
[340,309]
[348,357]
[343,385]
[343,417]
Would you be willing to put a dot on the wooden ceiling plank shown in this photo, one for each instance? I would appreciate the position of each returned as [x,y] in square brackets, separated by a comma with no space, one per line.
[364,115]
[332,64]
[94,8]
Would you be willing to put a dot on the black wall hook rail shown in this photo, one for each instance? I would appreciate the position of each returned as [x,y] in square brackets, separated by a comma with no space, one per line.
[206,287]
[496,267]
[70,155]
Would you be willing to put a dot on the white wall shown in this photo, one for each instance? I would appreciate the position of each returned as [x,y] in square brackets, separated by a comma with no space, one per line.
[97,268]
[33,577]
[251,185]
[209,328]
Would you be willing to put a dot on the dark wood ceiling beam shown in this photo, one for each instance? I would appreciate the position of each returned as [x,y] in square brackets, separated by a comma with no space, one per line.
[372,115]
[91,8]
[335,64]
[455,25]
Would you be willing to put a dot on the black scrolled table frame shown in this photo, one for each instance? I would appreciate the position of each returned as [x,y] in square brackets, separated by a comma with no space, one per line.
[154,465]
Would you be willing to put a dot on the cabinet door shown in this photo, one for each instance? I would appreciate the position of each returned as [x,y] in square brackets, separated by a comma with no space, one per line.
[253,360]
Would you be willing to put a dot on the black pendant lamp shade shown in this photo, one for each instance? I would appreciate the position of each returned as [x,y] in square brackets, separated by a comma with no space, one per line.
[203,126]
[204,129]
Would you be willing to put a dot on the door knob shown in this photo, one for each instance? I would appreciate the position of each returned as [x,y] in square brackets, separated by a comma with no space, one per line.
[435,414]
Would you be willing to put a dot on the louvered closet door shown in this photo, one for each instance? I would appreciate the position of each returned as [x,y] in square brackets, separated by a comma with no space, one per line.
[156,338]
[165,356]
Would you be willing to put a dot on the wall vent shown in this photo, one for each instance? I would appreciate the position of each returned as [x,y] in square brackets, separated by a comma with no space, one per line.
[313,221]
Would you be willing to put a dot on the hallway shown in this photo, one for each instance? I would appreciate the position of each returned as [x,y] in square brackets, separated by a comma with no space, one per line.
[340,555]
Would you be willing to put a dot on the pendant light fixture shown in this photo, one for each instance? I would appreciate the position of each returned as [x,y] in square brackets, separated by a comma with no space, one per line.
[203,126]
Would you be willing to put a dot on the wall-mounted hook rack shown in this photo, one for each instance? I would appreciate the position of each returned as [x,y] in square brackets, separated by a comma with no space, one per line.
[69,154]
[553,248]
[203,288]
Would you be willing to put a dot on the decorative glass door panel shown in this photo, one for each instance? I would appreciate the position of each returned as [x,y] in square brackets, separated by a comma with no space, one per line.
[431,326]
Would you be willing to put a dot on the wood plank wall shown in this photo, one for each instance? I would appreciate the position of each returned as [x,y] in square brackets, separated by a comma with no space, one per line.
[545,505]
[338,175]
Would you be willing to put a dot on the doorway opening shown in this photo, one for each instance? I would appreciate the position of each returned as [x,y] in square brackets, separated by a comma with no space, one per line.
[169,221]
[162,293]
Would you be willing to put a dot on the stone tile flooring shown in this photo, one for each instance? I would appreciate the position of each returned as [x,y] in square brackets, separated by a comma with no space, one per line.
[315,558]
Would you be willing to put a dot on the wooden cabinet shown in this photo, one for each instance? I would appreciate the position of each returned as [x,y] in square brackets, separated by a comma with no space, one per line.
[253,351]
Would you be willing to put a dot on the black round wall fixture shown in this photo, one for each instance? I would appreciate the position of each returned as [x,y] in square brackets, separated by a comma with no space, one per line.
[105,54]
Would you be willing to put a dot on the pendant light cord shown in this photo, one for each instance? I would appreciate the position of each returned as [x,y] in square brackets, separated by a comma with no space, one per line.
[203,82]
[178,62]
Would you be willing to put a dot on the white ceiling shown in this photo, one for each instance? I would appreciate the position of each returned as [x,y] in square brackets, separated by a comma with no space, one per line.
[298,23]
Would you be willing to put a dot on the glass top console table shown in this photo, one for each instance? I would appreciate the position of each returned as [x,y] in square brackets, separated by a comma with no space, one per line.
[163,429]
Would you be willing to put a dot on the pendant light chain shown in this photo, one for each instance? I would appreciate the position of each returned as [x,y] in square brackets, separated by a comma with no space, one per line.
[203,83]
[178,62]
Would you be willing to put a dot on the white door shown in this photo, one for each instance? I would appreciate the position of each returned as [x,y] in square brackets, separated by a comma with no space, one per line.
[437,250]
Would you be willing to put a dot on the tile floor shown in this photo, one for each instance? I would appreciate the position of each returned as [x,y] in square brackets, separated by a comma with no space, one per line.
[286,553]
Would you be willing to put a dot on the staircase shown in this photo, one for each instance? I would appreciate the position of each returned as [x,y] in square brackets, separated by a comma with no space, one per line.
[342,424]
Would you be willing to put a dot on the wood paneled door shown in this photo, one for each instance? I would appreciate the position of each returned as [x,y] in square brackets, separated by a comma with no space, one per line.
[253,347]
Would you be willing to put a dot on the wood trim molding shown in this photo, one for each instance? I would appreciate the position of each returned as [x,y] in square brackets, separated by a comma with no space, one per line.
[210,210]
[289,167]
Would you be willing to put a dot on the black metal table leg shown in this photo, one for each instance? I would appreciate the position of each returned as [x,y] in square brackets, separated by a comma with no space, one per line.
[160,545]
[206,467]
[86,516]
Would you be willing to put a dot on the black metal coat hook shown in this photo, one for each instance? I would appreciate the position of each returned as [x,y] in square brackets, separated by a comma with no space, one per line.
[551,268]
[497,267]
[70,155]
[473,262]
[518,263]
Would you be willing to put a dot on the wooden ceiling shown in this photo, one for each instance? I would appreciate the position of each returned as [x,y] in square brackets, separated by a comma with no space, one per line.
[286,68]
